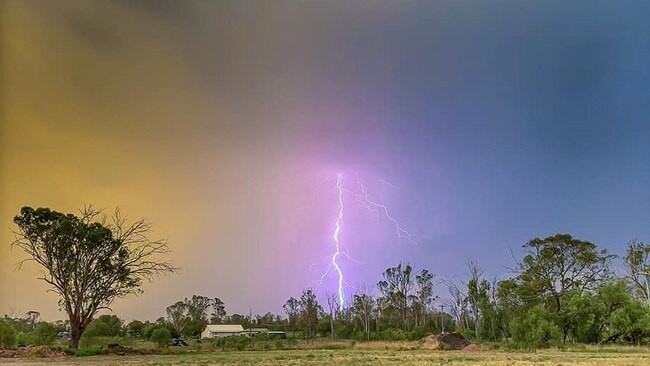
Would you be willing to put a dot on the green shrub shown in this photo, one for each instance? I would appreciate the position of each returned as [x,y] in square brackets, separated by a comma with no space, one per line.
[25,339]
[147,330]
[97,329]
[416,333]
[45,333]
[279,344]
[87,351]
[161,336]
[7,335]
[535,329]
[392,335]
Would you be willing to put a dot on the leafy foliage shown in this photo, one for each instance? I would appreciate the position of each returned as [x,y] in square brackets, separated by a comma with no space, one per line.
[89,261]
[161,336]
[7,335]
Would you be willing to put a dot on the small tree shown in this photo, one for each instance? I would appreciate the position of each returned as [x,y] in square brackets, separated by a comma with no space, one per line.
[90,260]
[310,310]
[333,306]
[363,307]
[396,288]
[178,315]
[637,261]
[292,308]
[161,336]
[218,311]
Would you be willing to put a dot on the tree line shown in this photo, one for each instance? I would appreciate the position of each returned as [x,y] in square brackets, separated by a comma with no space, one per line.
[563,290]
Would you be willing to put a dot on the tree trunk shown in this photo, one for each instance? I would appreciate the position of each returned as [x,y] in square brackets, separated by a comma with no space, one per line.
[75,334]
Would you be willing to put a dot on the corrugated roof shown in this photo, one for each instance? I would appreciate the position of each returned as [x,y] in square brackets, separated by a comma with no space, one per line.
[225,328]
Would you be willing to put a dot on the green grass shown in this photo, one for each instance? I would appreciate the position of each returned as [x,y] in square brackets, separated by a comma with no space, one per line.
[88,351]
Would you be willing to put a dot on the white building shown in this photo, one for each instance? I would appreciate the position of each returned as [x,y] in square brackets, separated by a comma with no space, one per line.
[221,330]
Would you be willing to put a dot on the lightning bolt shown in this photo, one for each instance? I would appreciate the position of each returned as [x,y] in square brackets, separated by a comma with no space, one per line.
[376,206]
[336,237]
[340,249]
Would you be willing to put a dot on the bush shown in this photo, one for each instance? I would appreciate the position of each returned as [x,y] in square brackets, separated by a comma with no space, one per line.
[7,335]
[134,329]
[279,344]
[535,329]
[392,335]
[25,339]
[97,329]
[45,333]
[161,336]
[416,333]
[147,330]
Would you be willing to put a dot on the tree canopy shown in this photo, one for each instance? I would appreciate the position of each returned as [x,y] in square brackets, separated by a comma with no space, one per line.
[91,259]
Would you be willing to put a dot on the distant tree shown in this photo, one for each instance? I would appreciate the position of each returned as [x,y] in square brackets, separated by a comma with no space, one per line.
[637,261]
[456,303]
[310,310]
[559,265]
[396,287]
[218,311]
[244,320]
[423,297]
[292,308]
[474,293]
[333,307]
[363,306]
[33,318]
[197,307]
[178,315]
[89,261]
[268,319]
[134,328]
[148,329]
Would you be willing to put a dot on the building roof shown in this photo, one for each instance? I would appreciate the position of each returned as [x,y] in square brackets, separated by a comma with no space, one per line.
[224,328]
[258,330]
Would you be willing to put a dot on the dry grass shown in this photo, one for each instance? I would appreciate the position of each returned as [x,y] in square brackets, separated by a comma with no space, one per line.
[361,355]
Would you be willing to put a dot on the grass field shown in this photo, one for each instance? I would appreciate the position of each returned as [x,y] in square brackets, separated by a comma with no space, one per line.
[612,356]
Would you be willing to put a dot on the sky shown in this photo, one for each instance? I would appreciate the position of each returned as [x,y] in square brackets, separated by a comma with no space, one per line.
[226,123]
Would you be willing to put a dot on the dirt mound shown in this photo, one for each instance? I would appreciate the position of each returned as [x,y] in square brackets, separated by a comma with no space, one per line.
[452,341]
[429,342]
[36,352]
[474,348]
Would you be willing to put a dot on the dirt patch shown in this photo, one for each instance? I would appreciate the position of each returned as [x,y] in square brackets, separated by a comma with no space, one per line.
[31,352]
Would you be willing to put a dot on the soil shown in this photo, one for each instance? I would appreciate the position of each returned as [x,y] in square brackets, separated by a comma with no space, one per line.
[452,341]
[27,352]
